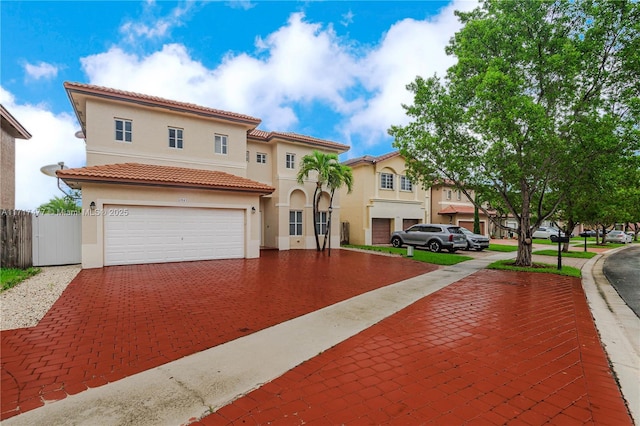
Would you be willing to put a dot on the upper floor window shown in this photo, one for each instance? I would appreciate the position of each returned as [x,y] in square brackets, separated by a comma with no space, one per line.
[448,194]
[295,222]
[405,184]
[458,194]
[124,132]
[221,144]
[386,181]
[247,156]
[290,161]
[261,158]
[175,138]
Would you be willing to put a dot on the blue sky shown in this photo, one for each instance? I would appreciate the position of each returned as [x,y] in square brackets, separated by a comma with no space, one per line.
[329,69]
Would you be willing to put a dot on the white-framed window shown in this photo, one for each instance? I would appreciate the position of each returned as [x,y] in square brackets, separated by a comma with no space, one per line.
[321,222]
[247,156]
[261,158]
[405,184]
[290,161]
[458,194]
[448,194]
[386,181]
[124,130]
[295,222]
[175,138]
[220,144]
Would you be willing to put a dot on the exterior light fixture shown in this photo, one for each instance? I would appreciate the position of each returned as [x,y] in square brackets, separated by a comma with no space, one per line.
[253,209]
[92,206]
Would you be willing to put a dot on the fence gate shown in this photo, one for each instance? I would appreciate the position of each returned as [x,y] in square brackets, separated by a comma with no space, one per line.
[15,239]
[57,239]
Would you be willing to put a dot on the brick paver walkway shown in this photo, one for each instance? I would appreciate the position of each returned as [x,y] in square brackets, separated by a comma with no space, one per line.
[117,321]
[495,348]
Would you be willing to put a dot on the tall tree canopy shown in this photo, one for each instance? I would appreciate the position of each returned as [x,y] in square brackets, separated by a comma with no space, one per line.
[542,92]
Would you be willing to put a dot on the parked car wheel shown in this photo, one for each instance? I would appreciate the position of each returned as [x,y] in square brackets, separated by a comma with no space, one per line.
[434,246]
[396,242]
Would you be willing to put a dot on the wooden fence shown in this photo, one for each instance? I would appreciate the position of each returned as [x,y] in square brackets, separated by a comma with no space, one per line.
[16,239]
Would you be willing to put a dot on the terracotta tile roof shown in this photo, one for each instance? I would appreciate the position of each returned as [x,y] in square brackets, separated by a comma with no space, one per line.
[295,137]
[148,174]
[462,210]
[89,89]
[369,159]
[13,126]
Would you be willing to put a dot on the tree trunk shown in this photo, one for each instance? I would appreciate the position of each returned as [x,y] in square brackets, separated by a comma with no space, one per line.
[570,226]
[523,257]
[316,201]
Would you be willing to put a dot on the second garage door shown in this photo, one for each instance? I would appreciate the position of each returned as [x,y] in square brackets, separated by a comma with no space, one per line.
[137,234]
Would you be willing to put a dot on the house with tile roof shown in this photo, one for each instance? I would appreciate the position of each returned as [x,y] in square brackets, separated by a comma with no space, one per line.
[11,130]
[385,200]
[169,181]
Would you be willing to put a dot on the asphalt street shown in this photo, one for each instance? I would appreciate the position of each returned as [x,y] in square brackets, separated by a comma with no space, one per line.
[622,269]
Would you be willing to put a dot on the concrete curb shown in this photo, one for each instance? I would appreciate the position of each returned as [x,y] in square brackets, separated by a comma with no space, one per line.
[619,330]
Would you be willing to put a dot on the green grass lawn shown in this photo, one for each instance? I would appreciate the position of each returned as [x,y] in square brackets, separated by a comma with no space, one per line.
[502,247]
[419,255]
[576,254]
[10,277]
[507,265]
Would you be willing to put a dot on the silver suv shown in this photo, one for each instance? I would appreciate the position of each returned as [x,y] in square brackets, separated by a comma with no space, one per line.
[433,237]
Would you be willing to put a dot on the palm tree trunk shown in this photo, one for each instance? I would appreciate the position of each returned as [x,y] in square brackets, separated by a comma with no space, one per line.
[316,202]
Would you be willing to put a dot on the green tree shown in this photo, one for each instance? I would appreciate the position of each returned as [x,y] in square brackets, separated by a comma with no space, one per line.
[56,205]
[330,173]
[540,92]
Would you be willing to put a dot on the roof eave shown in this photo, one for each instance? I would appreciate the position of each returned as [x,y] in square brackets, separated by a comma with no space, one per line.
[76,182]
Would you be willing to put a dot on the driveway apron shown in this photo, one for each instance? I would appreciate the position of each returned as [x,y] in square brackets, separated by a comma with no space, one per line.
[114,322]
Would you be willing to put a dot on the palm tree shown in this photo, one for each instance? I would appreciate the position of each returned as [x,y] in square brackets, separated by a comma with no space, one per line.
[340,175]
[66,204]
[329,172]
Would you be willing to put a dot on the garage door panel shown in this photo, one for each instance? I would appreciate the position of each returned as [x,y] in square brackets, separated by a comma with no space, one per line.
[171,234]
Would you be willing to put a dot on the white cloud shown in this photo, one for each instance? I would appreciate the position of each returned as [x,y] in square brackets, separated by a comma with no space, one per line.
[300,65]
[241,4]
[151,27]
[41,70]
[410,48]
[52,141]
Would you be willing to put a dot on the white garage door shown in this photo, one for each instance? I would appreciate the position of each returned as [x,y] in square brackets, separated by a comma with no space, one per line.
[171,234]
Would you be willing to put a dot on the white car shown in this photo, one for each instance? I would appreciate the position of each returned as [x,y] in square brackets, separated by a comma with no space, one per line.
[617,237]
[545,232]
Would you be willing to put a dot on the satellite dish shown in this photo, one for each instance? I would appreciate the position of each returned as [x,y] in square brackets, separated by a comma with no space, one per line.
[50,170]
[80,134]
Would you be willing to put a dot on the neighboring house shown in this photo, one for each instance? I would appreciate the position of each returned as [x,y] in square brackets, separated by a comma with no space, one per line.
[451,205]
[170,181]
[385,200]
[11,130]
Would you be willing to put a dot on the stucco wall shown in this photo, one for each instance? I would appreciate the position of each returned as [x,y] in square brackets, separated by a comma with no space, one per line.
[7,171]
[150,140]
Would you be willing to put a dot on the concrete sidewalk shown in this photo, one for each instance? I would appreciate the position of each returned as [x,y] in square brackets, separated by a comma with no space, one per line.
[315,346]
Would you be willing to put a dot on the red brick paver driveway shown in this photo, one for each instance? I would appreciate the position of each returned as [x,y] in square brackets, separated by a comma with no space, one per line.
[117,321]
[495,348]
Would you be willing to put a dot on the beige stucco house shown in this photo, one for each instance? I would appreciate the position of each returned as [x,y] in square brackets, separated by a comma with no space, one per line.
[385,200]
[169,181]
[11,130]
